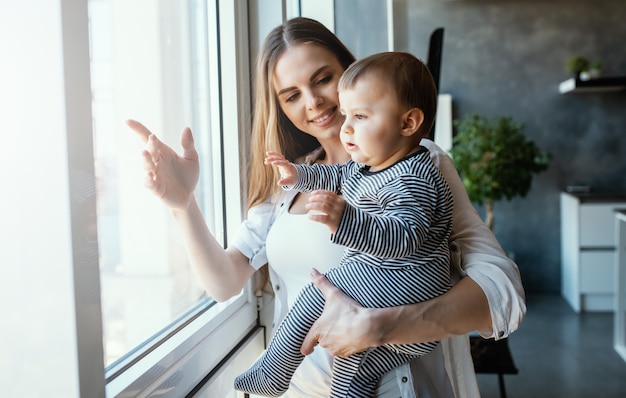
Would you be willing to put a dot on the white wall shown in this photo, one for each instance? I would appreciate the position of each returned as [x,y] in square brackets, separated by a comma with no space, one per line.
[39,348]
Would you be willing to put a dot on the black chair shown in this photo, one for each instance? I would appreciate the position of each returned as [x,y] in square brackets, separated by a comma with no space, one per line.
[494,357]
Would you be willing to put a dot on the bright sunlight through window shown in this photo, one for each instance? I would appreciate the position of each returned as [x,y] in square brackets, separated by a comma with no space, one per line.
[157,72]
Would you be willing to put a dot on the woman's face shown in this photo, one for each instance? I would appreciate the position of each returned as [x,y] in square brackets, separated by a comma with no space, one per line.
[305,81]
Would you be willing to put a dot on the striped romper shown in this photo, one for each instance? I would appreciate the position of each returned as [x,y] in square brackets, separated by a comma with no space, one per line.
[395,228]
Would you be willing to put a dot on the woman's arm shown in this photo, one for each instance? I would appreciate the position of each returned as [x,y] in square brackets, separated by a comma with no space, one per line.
[477,254]
[223,273]
[346,328]
[173,178]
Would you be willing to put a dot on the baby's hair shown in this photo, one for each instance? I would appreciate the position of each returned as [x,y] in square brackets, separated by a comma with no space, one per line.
[408,77]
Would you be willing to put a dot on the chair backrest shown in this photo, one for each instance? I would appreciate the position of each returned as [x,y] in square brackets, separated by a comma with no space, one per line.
[435,49]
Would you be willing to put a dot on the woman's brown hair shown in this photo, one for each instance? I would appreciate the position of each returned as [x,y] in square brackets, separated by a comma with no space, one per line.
[271,129]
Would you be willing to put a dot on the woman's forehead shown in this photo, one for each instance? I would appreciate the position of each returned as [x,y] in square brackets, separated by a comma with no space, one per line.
[299,63]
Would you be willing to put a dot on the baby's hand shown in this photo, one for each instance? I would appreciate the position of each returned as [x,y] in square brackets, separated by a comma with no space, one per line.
[326,207]
[288,173]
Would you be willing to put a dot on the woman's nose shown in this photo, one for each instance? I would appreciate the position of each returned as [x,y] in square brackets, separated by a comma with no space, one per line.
[314,100]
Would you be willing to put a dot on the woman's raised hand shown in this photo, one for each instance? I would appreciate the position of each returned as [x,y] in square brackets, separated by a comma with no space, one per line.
[170,176]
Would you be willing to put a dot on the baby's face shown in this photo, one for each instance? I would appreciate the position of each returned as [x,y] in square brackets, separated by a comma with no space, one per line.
[372,130]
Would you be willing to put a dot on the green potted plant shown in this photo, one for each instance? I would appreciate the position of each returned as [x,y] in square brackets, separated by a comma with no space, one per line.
[596,70]
[576,64]
[495,160]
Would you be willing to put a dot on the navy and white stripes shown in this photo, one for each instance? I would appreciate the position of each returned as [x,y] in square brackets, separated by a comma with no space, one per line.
[395,227]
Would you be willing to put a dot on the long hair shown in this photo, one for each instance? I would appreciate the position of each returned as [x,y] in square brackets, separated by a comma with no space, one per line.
[271,129]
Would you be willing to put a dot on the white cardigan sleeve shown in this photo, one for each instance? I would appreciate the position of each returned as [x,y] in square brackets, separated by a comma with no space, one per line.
[252,234]
[477,254]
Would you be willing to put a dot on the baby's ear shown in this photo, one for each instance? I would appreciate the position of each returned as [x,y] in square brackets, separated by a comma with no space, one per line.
[412,121]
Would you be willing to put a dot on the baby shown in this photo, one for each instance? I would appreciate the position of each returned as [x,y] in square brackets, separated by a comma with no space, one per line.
[395,223]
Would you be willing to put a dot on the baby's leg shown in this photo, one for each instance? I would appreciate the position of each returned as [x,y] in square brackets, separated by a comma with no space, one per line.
[270,375]
[358,375]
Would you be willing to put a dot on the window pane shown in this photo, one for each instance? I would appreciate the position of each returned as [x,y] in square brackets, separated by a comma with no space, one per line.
[149,62]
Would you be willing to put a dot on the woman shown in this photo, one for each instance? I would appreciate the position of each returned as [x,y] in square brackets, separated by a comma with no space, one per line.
[296,98]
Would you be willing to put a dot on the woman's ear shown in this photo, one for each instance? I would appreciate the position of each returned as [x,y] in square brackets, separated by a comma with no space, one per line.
[412,121]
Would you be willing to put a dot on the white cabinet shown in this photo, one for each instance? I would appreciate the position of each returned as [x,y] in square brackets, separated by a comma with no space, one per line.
[588,250]
[620,285]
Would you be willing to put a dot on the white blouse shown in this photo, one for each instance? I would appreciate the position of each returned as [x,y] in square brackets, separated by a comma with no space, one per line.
[272,235]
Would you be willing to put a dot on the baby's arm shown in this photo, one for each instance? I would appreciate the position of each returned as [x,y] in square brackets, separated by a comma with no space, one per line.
[303,177]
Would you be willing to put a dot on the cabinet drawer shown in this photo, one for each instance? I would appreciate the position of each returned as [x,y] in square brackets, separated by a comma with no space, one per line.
[597,224]
[597,271]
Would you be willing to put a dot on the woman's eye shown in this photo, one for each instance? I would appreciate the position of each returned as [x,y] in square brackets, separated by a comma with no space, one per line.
[291,98]
[324,80]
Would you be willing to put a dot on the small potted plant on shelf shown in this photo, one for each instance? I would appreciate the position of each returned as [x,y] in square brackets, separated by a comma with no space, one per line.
[576,65]
[596,70]
[495,160]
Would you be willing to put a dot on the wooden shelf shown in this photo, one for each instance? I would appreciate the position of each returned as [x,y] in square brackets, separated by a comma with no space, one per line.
[602,84]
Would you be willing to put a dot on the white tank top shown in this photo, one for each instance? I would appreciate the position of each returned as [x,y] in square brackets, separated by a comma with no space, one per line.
[292,255]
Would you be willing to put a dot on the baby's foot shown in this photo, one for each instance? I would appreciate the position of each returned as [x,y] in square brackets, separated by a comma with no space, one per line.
[256,381]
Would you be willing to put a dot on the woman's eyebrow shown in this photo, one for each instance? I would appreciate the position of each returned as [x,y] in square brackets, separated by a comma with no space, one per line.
[318,72]
[312,78]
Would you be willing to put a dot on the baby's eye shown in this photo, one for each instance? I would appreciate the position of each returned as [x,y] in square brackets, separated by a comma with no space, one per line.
[360,116]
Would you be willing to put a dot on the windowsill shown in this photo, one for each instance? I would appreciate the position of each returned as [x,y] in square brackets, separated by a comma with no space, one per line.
[190,353]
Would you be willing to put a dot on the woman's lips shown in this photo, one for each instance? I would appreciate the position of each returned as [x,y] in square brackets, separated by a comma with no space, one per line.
[325,118]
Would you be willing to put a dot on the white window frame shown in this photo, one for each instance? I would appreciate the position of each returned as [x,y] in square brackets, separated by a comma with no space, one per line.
[51,292]
[194,352]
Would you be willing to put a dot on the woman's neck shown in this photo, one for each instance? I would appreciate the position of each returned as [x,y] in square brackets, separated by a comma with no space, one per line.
[335,153]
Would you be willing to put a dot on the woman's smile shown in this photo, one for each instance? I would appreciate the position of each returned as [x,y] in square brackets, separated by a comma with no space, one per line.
[325,118]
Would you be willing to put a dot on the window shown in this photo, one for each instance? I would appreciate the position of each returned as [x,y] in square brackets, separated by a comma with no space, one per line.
[164,71]
[159,75]
[50,279]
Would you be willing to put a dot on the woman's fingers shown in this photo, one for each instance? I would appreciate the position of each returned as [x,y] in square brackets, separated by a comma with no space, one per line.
[154,148]
[148,164]
[333,329]
[187,142]
[149,181]
[314,335]
[141,130]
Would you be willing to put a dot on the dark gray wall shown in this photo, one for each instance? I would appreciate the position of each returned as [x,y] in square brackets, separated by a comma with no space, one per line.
[507,57]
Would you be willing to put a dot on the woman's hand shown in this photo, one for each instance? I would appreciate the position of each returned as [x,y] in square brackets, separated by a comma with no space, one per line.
[169,176]
[344,328]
